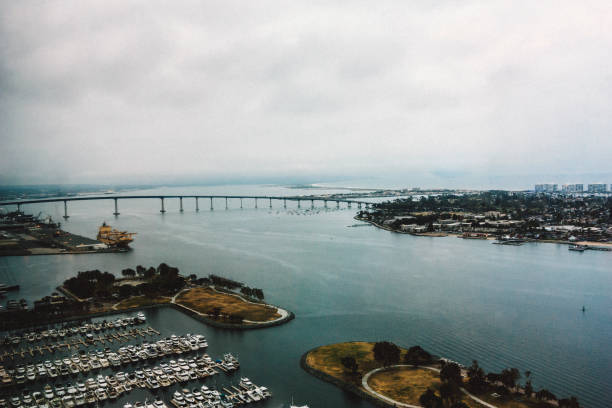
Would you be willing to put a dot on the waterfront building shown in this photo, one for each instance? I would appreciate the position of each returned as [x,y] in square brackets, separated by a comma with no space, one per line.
[546,188]
[572,188]
[596,188]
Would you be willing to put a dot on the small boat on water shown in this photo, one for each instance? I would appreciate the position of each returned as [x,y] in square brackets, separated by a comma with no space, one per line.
[577,248]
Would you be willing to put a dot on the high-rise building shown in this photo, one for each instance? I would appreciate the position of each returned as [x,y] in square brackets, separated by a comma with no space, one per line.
[546,188]
[572,188]
[597,188]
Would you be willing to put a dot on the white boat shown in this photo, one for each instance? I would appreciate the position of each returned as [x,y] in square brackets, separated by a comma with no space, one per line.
[297,406]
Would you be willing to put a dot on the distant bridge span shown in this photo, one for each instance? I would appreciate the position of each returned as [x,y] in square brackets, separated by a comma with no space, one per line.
[162,198]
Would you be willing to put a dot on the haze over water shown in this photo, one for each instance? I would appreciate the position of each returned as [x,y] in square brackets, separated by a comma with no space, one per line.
[463,299]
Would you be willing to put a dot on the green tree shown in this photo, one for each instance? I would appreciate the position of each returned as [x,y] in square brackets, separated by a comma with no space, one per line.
[386,353]
[258,293]
[449,391]
[417,356]
[140,270]
[430,400]
[545,395]
[510,376]
[125,291]
[528,385]
[477,381]
[350,364]
[571,402]
[128,273]
[451,372]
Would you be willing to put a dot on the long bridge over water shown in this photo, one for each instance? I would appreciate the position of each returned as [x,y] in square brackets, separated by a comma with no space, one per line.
[162,198]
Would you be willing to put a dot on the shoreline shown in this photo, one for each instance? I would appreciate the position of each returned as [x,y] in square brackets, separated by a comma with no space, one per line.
[285,315]
[589,244]
[210,322]
[339,383]
[360,387]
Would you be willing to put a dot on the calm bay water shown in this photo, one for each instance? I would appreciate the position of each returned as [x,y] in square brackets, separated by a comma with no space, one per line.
[463,299]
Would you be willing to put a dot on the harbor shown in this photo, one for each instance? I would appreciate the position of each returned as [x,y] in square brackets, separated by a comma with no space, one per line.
[302,260]
[26,234]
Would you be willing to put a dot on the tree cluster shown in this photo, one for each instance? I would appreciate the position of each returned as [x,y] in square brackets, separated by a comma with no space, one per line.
[478,382]
[386,353]
[350,364]
[89,284]
[416,355]
[225,282]
[252,292]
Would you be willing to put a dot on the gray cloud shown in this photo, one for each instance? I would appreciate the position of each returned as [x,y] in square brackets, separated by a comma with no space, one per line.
[111,91]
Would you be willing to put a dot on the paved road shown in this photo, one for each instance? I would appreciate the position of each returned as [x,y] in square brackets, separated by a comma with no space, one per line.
[364,383]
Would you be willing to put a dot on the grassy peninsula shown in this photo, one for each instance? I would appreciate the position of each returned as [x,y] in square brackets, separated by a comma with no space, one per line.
[389,375]
[214,299]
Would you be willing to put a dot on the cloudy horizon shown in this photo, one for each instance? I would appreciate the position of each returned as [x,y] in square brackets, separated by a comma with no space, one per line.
[457,93]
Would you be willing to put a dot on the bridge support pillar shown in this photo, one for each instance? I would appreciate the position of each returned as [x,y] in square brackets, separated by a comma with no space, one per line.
[325,203]
[241,203]
[163,208]
[270,203]
[311,203]
[197,205]
[116,208]
[349,204]
[255,203]
[284,202]
[299,204]
[211,204]
[18,207]
[65,209]
[181,204]
[226,203]
[337,204]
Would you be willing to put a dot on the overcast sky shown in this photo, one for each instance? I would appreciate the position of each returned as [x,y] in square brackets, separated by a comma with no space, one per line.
[152,91]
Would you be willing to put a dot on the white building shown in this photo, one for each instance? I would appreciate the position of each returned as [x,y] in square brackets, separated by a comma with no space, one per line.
[546,188]
[572,188]
[597,188]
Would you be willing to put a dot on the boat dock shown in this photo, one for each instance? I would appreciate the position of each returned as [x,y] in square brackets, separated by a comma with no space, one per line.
[44,335]
[93,351]
[80,342]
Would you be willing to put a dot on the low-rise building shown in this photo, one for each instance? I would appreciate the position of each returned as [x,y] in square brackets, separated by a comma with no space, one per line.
[413,228]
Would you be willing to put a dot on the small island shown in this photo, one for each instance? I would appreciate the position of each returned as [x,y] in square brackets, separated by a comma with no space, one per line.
[391,376]
[214,300]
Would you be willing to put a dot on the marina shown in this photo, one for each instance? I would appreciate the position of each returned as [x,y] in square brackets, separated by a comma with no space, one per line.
[84,362]
[151,367]
[165,374]
[43,335]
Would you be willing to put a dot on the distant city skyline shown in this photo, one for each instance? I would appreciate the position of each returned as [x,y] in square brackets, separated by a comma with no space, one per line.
[457,95]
